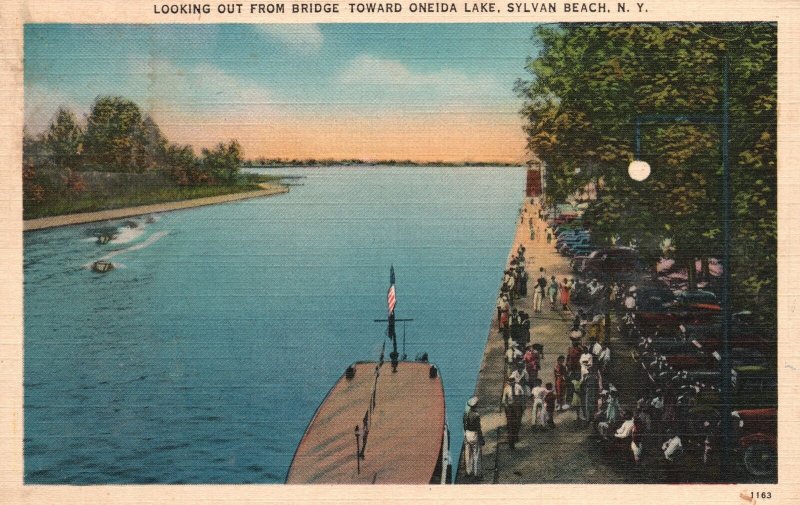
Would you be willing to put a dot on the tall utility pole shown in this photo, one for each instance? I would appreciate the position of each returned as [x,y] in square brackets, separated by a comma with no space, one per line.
[639,170]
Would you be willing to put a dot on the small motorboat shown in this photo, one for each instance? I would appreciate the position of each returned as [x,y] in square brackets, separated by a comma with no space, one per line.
[102,266]
[104,238]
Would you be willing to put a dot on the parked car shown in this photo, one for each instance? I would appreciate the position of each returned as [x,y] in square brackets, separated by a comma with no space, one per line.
[752,387]
[611,262]
[757,436]
[565,218]
[582,249]
[696,297]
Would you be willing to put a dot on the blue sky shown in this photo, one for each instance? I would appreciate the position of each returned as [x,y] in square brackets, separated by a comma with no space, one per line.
[335,90]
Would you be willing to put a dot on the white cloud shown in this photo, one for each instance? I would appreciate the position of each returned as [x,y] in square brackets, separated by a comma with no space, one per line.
[393,81]
[41,104]
[305,38]
[202,87]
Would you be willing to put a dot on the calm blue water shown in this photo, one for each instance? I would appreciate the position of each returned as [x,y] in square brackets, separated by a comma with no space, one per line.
[203,356]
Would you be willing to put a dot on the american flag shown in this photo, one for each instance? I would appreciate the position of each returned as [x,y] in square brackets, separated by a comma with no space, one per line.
[391,297]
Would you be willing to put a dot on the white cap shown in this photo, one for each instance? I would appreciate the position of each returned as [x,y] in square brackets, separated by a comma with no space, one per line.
[472,401]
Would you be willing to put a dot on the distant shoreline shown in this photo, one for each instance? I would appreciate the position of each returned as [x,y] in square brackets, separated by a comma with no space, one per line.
[377,164]
[111,214]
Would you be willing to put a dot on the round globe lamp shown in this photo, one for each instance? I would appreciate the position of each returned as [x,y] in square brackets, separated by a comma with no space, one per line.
[639,170]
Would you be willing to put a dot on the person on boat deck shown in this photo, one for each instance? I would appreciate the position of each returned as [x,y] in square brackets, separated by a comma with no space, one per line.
[473,438]
[511,402]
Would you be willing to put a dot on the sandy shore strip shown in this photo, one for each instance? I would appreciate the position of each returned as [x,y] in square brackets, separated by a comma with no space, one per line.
[107,215]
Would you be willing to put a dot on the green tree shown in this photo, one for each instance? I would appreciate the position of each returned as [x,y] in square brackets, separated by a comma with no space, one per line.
[153,145]
[114,138]
[223,162]
[589,83]
[63,139]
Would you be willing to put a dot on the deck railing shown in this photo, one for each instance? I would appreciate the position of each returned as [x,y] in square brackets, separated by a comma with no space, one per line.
[362,434]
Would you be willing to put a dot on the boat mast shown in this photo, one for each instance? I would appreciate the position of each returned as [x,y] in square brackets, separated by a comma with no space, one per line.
[392,300]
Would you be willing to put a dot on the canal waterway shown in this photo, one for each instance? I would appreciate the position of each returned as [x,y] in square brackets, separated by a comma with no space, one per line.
[203,355]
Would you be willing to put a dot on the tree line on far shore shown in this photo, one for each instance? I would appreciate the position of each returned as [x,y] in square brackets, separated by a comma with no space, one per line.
[116,137]
[589,85]
[327,162]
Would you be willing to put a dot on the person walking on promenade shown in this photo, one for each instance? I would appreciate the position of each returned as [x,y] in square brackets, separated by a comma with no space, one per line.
[537,410]
[539,291]
[565,289]
[474,441]
[560,378]
[604,358]
[510,403]
[502,303]
[591,388]
[504,323]
[613,293]
[549,236]
[521,378]
[513,354]
[552,292]
[574,357]
[549,405]
[576,386]
[532,363]
[523,283]
[512,285]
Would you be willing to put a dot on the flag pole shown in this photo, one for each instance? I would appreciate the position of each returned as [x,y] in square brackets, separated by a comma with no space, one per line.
[391,301]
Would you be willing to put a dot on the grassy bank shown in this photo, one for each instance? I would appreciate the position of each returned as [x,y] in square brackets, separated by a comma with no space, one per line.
[123,197]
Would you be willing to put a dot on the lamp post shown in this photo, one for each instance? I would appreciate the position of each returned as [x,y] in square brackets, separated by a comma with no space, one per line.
[639,170]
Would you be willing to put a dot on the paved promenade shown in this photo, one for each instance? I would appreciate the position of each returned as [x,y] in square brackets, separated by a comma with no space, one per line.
[565,454]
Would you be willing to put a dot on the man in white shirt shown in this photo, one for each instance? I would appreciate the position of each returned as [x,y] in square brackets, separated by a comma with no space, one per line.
[521,377]
[537,411]
[586,362]
[510,401]
[672,448]
[626,430]
[513,354]
[604,358]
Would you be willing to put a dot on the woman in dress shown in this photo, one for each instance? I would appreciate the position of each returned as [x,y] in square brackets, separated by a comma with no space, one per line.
[566,287]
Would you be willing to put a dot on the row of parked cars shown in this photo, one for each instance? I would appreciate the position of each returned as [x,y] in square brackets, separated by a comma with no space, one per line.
[573,239]
[676,341]
[678,346]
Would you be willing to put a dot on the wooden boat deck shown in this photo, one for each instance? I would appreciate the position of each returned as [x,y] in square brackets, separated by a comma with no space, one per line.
[405,437]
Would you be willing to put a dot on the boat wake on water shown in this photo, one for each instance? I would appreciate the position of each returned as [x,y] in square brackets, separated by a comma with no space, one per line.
[155,237]
[126,235]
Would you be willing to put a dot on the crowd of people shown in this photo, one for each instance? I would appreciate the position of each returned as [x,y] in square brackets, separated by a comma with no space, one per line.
[580,380]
